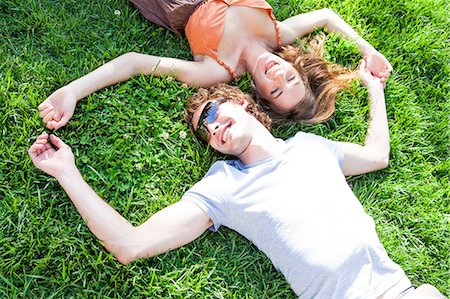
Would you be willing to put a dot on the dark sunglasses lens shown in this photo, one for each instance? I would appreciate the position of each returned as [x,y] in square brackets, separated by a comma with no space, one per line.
[208,116]
[211,113]
[203,134]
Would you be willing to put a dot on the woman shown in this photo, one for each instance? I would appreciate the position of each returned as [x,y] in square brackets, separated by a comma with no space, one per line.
[229,38]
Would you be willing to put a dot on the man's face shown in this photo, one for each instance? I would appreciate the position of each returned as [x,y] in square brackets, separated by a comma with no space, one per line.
[225,124]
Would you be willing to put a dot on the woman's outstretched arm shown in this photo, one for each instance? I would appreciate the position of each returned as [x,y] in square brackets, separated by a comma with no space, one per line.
[303,24]
[374,154]
[59,107]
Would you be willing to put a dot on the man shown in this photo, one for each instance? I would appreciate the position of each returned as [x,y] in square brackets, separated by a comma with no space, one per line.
[290,198]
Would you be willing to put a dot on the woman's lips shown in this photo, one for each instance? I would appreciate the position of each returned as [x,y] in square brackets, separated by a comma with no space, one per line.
[269,65]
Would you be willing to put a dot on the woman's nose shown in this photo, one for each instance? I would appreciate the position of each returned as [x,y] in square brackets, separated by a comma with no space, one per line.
[279,77]
[280,80]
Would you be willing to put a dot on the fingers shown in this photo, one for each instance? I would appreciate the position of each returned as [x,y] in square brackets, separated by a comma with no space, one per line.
[57,142]
[43,136]
[51,125]
[389,68]
[363,71]
[42,146]
[46,113]
[39,148]
[52,114]
[39,145]
[51,118]
[32,152]
[43,105]
[61,123]
[48,117]
[56,124]
[384,76]
[382,81]
[363,64]
[46,110]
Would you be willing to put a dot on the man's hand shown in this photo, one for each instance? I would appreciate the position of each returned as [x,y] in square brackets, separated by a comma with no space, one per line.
[51,161]
[378,65]
[58,108]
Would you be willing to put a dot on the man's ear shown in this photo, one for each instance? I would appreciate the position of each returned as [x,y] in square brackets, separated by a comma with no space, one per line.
[245,104]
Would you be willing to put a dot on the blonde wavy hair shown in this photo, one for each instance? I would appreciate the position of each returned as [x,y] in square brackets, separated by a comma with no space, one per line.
[223,91]
[323,81]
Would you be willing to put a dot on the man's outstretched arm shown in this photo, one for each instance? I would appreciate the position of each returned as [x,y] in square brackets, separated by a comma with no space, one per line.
[168,229]
[374,154]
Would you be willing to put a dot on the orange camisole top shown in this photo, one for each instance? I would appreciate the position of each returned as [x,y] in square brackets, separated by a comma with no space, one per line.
[205,26]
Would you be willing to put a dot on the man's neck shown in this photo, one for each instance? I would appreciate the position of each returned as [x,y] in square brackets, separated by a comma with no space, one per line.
[263,146]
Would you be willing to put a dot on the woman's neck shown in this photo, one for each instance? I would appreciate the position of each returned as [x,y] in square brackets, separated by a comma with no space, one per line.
[251,52]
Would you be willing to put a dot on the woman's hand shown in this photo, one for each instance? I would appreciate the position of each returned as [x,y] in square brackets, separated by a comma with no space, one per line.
[368,78]
[51,161]
[378,65]
[58,108]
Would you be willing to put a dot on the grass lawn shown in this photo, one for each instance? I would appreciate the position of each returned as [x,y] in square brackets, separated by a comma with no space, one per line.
[130,144]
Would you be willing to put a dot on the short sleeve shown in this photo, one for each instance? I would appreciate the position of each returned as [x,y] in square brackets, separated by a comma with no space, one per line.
[210,195]
[333,147]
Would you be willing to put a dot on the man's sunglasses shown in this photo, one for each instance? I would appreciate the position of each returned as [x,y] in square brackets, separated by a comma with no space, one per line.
[208,116]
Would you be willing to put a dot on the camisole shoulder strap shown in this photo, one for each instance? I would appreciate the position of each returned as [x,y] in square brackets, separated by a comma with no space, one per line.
[205,27]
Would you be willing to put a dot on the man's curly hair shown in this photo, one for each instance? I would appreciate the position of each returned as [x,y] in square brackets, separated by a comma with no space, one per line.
[223,91]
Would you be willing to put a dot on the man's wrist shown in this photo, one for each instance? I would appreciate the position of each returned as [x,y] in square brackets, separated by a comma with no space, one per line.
[71,89]
[68,175]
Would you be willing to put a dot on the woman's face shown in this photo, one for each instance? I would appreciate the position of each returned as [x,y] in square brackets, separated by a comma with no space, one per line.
[278,81]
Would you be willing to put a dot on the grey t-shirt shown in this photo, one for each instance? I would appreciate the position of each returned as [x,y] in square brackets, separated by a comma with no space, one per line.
[299,210]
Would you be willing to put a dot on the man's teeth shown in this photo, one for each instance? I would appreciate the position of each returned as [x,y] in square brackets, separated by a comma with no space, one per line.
[225,135]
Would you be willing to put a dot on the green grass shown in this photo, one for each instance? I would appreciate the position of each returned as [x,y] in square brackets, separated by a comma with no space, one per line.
[127,143]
